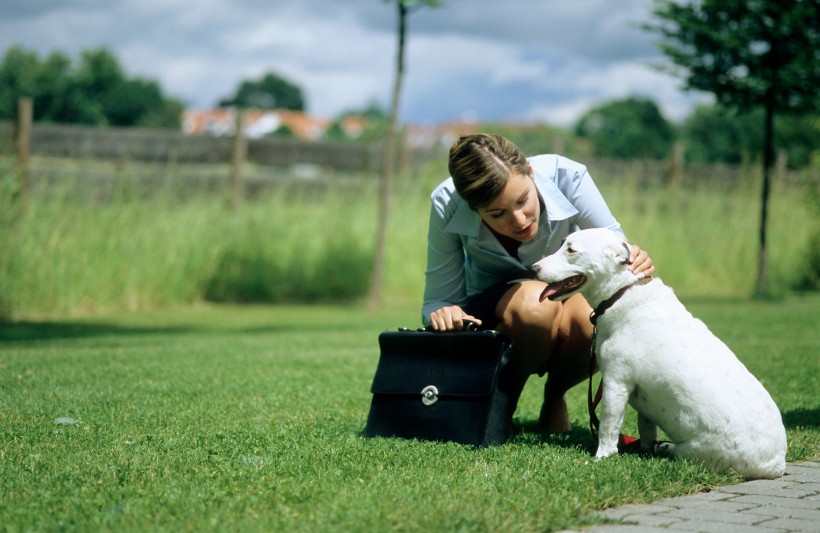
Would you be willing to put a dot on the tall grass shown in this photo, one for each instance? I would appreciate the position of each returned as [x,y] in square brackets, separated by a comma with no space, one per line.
[72,251]
[704,237]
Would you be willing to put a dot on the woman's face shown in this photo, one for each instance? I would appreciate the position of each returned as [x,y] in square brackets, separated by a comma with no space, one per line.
[514,213]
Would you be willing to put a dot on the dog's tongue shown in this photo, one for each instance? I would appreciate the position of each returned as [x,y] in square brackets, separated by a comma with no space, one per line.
[549,290]
[559,288]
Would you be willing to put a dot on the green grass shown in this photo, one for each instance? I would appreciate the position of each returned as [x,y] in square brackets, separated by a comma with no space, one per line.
[224,418]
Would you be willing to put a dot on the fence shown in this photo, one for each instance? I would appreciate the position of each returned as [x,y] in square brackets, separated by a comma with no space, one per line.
[168,146]
[162,146]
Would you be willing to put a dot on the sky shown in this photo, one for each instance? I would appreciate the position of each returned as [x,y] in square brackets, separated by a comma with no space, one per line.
[468,60]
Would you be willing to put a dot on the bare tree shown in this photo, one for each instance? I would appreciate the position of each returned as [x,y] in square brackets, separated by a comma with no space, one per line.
[390,148]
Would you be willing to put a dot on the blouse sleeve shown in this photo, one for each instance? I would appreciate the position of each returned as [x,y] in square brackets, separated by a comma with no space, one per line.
[445,279]
[574,181]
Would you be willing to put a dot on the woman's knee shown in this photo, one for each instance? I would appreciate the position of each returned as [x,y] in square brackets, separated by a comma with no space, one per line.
[520,310]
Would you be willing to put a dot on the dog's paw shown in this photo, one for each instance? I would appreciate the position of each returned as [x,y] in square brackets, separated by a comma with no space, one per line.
[664,449]
[605,452]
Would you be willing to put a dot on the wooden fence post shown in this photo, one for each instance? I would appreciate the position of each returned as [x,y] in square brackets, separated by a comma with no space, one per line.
[239,154]
[677,163]
[22,141]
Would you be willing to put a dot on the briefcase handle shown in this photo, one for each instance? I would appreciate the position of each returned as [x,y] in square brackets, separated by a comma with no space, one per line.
[469,325]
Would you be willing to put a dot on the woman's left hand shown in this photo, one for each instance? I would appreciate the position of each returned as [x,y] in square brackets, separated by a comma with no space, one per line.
[640,262]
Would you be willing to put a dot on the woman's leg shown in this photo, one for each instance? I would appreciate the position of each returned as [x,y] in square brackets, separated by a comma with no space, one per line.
[569,362]
[551,336]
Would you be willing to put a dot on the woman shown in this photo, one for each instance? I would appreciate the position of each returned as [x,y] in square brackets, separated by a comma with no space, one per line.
[496,215]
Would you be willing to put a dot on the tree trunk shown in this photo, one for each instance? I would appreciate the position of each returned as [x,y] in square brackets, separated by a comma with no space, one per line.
[388,168]
[239,153]
[761,287]
[22,139]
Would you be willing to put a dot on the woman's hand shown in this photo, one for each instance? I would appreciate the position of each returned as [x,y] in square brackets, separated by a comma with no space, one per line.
[450,319]
[640,263]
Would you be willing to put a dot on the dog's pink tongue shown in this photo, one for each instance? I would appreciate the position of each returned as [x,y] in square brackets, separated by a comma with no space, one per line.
[548,291]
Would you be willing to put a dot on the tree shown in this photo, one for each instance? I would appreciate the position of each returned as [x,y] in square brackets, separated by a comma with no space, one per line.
[20,76]
[374,119]
[389,155]
[627,129]
[715,134]
[96,91]
[271,91]
[750,54]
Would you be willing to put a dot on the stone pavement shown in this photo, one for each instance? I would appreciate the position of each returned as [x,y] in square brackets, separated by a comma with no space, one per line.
[789,503]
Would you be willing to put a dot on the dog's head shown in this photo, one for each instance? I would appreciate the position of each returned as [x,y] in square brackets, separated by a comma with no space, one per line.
[592,262]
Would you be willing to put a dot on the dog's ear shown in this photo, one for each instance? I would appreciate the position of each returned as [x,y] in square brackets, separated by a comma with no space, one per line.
[628,251]
[619,253]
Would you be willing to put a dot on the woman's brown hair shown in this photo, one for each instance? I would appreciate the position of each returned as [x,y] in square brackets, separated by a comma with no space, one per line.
[480,165]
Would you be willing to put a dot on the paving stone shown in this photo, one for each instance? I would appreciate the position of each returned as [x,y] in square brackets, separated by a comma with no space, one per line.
[652,520]
[813,486]
[613,528]
[797,503]
[618,513]
[805,475]
[716,527]
[793,524]
[799,468]
[714,505]
[682,501]
[722,517]
[782,492]
[788,504]
[789,512]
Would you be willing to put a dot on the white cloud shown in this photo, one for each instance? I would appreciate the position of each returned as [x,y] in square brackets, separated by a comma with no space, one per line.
[516,59]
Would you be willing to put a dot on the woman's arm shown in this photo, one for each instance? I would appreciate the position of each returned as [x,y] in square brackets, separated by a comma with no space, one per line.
[573,179]
[445,279]
[579,188]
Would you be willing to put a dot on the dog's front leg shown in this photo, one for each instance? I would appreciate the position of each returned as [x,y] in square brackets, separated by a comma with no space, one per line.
[648,432]
[613,407]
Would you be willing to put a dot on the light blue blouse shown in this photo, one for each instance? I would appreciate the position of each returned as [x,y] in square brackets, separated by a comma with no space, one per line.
[463,256]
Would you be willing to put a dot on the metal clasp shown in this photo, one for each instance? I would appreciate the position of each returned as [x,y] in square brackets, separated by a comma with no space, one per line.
[429,395]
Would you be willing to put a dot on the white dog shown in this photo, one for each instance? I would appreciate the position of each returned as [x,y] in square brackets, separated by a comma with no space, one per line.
[654,355]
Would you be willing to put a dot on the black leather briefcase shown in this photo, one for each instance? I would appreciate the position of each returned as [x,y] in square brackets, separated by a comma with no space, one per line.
[441,386]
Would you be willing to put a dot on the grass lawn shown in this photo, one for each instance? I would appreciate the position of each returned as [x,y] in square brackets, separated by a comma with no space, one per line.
[249,419]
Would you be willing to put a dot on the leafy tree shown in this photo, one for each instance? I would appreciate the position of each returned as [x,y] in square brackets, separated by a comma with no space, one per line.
[96,91]
[715,134]
[166,116]
[404,8]
[375,123]
[271,91]
[18,79]
[750,54]
[627,129]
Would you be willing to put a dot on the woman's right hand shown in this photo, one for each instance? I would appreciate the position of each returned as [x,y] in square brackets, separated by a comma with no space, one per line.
[450,319]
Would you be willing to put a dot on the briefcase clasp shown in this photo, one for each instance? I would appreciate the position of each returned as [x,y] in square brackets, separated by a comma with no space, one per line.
[429,395]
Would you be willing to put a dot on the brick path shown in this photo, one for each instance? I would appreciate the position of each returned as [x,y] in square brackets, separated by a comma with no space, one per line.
[789,503]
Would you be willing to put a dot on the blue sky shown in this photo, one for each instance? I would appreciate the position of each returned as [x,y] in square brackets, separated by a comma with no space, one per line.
[513,60]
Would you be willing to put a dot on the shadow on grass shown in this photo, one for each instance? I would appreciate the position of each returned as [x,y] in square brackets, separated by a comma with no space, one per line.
[578,437]
[34,331]
[802,417]
[24,331]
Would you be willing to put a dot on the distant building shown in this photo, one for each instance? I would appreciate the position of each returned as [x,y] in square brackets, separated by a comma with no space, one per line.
[259,123]
[256,123]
